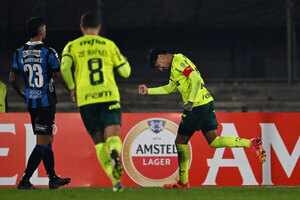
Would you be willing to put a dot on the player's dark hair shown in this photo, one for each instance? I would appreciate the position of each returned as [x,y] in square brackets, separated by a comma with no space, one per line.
[153,55]
[33,24]
[90,20]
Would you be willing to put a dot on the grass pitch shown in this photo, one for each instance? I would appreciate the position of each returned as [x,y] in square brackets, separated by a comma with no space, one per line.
[203,193]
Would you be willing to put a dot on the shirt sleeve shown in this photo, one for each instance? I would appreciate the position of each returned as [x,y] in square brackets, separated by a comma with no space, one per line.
[195,85]
[66,66]
[117,58]
[15,66]
[66,71]
[166,89]
[124,70]
[54,60]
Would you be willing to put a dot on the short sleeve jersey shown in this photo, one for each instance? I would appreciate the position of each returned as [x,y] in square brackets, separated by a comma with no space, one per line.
[37,63]
[94,59]
[181,67]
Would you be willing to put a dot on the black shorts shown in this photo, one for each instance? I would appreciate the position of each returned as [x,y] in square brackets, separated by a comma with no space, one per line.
[42,120]
[97,116]
[201,117]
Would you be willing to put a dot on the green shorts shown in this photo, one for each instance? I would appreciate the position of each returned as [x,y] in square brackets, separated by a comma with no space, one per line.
[96,117]
[200,118]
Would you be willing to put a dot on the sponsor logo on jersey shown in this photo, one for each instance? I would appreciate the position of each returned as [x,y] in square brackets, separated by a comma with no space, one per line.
[92,42]
[149,152]
[98,95]
[36,53]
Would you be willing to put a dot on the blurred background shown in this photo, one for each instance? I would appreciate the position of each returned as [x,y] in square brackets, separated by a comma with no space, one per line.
[246,51]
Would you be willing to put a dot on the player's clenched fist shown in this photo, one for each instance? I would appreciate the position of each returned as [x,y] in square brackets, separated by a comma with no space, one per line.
[143,89]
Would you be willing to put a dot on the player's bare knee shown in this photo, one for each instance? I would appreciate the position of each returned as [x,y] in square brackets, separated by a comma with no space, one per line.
[97,137]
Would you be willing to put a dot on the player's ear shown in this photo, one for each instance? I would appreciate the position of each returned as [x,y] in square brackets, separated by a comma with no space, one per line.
[41,30]
[99,28]
[82,29]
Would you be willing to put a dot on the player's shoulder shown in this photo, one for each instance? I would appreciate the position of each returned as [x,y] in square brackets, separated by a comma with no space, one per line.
[48,48]
[18,51]
[107,41]
[179,61]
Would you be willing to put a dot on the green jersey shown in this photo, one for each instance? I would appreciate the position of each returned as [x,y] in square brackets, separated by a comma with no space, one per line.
[181,68]
[94,59]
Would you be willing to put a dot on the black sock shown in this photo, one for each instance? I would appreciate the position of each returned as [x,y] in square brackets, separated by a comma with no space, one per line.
[48,160]
[33,161]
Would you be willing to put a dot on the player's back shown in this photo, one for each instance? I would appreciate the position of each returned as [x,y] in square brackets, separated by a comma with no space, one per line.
[94,59]
[37,64]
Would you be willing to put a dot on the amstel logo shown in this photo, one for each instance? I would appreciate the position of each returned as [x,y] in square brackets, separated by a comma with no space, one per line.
[149,153]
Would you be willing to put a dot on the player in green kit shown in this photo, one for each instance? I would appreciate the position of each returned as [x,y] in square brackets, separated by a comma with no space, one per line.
[94,59]
[199,111]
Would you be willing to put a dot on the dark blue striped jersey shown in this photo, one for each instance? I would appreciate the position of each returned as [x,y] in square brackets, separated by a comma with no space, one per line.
[37,63]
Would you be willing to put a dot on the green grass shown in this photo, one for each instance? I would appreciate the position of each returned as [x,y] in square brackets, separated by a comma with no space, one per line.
[202,193]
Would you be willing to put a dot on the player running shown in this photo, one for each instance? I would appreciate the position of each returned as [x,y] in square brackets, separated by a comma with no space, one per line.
[96,92]
[38,64]
[199,111]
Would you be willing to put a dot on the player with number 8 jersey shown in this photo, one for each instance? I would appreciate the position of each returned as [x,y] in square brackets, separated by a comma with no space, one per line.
[94,59]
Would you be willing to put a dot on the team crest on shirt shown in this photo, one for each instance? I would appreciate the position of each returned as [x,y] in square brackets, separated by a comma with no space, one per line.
[149,152]
[182,65]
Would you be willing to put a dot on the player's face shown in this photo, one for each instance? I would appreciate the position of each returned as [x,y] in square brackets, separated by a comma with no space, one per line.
[162,62]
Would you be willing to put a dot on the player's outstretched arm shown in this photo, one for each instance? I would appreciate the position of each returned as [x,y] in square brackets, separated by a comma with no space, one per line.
[142,89]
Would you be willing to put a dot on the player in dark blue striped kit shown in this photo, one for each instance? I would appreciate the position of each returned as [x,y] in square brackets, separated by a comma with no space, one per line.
[38,64]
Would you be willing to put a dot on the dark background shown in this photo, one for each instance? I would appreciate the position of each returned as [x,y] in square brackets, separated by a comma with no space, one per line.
[246,50]
[237,40]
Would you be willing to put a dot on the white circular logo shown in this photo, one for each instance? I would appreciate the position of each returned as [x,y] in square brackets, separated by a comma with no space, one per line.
[149,152]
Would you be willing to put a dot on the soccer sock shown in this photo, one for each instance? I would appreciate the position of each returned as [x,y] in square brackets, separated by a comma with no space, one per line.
[114,143]
[34,161]
[230,141]
[48,159]
[183,162]
[104,159]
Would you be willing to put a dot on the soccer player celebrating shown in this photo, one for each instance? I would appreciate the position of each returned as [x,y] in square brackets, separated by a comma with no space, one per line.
[96,92]
[38,63]
[199,111]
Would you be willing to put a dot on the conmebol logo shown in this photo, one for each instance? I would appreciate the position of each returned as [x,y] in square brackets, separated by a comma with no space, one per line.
[149,153]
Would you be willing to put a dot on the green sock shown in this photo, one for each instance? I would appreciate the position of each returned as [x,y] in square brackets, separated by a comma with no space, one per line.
[104,159]
[114,143]
[230,141]
[183,161]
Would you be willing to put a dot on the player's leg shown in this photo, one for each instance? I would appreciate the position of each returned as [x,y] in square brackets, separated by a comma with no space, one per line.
[111,120]
[103,155]
[209,129]
[91,115]
[183,162]
[114,144]
[230,141]
[48,160]
[225,141]
[185,132]
[35,156]
[34,161]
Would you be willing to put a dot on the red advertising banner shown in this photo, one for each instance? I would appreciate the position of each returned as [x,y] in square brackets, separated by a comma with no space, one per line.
[149,155]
